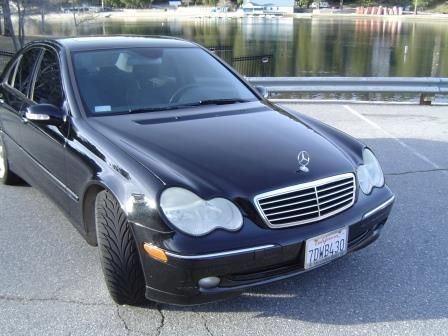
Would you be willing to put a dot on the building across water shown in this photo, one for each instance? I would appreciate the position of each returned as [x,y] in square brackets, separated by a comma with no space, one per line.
[273,7]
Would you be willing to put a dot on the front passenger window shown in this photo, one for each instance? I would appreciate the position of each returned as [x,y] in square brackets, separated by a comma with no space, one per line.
[48,86]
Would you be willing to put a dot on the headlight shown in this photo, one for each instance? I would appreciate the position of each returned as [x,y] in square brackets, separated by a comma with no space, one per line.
[195,216]
[369,173]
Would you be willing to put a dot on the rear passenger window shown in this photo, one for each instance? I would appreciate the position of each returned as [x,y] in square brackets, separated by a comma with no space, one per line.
[24,71]
[48,86]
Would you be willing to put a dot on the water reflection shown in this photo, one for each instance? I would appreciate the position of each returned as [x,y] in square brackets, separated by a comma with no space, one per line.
[301,47]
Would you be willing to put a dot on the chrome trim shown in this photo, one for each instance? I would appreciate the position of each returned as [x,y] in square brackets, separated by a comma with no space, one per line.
[314,185]
[219,254]
[335,192]
[288,204]
[301,215]
[297,209]
[333,205]
[288,198]
[336,198]
[329,188]
[378,208]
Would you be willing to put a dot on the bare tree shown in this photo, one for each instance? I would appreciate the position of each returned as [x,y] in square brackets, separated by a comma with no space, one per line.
[80,16]
[9,28]
[42,6]
[21,12]
[18,38]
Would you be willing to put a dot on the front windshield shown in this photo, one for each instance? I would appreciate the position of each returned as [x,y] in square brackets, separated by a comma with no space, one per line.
[133,80]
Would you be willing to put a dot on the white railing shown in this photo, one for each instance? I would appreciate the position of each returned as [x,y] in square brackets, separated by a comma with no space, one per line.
[426,87]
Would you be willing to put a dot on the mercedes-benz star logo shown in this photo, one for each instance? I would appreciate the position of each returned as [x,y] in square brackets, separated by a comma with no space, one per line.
[304,160]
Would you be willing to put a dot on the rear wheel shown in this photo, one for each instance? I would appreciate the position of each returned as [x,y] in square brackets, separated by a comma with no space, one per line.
[6,175]
[118,252]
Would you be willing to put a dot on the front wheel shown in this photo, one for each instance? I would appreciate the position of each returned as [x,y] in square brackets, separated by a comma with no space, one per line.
[6,175]
[118,252]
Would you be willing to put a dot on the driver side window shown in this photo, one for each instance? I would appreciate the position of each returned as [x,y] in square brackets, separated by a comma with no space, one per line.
[48,85]
[24,72]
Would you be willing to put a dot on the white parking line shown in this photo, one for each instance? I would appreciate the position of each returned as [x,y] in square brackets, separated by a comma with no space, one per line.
[402,144]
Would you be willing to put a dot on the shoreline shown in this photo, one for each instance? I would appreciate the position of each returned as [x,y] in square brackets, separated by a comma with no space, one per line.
[410,17]
[204,13]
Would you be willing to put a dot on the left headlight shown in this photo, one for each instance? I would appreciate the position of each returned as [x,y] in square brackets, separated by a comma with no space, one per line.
[197,217]
[370,173]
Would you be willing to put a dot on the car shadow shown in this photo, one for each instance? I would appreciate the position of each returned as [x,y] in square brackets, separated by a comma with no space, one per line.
[22,183]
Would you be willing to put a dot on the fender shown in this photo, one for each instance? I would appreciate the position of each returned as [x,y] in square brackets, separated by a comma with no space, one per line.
[136,190]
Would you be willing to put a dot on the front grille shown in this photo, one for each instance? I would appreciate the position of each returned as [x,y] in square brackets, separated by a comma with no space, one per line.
[308,202]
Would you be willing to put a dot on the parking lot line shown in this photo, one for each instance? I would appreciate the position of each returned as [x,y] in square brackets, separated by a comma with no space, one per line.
[393,137]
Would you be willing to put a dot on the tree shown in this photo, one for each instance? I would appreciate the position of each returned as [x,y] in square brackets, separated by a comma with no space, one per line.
[129,3]
[9,28]
[21,12]
[18,38]
[79,16]
[115,3]
[42,6]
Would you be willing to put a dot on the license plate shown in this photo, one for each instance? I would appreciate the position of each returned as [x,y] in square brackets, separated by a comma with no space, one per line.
[326,247]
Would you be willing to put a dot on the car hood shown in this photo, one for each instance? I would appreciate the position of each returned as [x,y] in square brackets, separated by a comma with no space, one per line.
[233,150]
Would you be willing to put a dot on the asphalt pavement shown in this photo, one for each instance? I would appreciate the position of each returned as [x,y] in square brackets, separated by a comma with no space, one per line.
[51,281]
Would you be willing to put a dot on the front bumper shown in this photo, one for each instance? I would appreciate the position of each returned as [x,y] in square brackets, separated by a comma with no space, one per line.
[176,282]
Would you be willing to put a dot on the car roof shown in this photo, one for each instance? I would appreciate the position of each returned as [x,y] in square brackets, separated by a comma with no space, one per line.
[114,42]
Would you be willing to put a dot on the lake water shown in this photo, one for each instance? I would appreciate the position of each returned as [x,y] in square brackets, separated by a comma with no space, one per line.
[298,47]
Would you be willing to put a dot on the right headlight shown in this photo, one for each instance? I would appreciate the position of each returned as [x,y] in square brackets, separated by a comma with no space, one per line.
[369,173]
[197,217]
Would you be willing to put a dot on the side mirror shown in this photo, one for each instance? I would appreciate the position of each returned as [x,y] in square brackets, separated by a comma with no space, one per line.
[45,114]
[263,91]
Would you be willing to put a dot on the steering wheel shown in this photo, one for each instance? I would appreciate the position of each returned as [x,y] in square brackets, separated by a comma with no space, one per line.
[181,91]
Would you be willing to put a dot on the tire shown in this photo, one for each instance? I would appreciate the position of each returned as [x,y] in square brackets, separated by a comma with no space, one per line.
[118,252]
[6,175]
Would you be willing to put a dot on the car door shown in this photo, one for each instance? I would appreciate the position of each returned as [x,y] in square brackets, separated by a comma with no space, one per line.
[13,94]
[45,144]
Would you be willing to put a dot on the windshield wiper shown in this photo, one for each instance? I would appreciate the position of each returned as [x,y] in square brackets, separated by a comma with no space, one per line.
[156,109]
[218,101]
[179,106]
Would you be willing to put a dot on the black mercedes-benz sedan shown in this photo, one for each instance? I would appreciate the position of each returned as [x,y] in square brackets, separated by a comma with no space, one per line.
[193,185]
